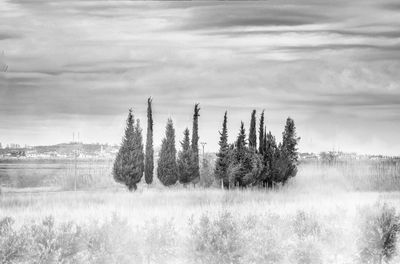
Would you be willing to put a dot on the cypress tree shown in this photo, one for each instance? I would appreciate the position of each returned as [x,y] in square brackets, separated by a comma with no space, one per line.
[290,140]
[248,163]
[271,156]
[185,160]
[167,171]
[253,131]
[241,138]
[240,155]
[264,145]
[129,164]
[149,164]
[261,134]
[289,149]
[195,145]
[222,163]
[262,153]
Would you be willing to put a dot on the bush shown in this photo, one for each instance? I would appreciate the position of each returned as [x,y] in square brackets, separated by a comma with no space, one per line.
[12,244]
[217,240]
[112,242]
[307,252]
[51,244]
[305,225]
[44,242]
[379,228]
[263,241]
[159,241]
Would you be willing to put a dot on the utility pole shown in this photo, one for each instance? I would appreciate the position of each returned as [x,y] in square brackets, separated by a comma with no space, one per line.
[76,165]
[75,152]
[203,144]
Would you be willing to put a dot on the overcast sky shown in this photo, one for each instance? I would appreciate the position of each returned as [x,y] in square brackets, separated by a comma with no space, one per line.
[333,66]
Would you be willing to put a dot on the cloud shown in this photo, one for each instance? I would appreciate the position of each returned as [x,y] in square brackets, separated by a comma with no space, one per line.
[81,65]
[5,36]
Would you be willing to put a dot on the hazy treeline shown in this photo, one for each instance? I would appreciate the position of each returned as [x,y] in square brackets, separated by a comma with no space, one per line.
[255,159]
[356,174]
[59,173]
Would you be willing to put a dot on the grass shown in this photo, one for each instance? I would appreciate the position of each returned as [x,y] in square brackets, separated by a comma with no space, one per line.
[206,225]
[317,218]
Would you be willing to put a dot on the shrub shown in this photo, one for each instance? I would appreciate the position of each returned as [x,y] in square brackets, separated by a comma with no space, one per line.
[217,240]
[44,242]
[379,228]
[12,244]
[305,225]
[159,241]
[306,252]
[263,241]
[49,243]
[112,242]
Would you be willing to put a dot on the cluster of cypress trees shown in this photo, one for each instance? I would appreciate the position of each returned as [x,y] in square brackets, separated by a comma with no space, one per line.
[131,162]
[242,164]
[186,168]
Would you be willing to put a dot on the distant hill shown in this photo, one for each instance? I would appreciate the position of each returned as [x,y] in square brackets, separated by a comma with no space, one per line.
[61,150]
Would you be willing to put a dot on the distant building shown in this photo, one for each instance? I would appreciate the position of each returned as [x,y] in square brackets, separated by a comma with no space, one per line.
[14,146]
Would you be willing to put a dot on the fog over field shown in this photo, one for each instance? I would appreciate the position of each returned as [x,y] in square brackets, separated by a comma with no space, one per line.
[317,218]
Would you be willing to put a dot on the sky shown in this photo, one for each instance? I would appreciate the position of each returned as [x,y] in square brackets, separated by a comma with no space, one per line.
[78,66]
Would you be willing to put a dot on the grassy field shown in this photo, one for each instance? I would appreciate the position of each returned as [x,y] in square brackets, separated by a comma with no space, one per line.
[318,218]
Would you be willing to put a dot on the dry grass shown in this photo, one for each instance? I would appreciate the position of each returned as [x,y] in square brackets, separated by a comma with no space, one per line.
[312,220]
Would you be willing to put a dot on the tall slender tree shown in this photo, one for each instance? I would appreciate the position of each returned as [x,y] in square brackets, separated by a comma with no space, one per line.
[271,157]
[149,164]
[290,140]
[195,145]
[262,152]
[253,131]
[167,171]
[289,149]
[222,163]
[241,138]
[240,146]
[247,162]
[129,164]
[185,160]
[261,134]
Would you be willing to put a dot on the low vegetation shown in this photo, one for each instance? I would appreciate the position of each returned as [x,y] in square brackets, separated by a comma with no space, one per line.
[221,235]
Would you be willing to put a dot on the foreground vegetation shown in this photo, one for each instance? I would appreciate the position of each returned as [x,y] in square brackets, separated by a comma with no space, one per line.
[200,226]
[320,216]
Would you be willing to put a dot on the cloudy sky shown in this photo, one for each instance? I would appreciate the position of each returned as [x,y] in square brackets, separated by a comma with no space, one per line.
[333,66]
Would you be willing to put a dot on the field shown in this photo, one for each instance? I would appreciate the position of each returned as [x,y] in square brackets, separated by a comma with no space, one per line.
[319,217]
[55,173]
